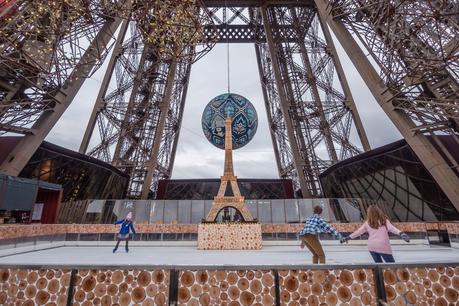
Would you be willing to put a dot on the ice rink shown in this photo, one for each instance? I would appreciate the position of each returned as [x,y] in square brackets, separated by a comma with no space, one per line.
[189,256]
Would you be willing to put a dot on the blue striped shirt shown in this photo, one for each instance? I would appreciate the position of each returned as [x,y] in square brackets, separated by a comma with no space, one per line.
[316,224]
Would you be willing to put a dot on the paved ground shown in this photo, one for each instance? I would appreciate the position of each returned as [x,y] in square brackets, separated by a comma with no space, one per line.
[183,256]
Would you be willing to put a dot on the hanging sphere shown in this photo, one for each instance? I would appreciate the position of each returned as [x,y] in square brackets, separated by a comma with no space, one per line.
[243,115]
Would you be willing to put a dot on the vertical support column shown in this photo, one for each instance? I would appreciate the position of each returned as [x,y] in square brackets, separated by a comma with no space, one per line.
[164,107]
[299,163]
[21,154]
[117,50]
[324,126]
[426,152]
[379,284]
[173,286]
[350,103]
[182,106]
[71,289]
[268,114]
[277,287]
[124,125]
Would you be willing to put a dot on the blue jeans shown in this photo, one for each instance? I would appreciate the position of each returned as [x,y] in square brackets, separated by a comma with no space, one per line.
[379,257]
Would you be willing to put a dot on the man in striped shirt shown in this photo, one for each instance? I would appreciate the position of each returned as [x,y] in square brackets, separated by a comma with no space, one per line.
[316,224]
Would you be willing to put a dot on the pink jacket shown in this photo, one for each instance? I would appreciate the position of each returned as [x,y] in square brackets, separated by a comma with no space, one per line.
[378,240]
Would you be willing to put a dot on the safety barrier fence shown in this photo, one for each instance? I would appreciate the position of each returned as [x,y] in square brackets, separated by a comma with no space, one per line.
[372,284]
[193,211]
[23,238]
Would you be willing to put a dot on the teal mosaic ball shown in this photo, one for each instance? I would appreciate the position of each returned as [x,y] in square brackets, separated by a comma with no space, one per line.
[243,115]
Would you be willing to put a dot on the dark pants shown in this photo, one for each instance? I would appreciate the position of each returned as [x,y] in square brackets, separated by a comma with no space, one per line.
[379,257]
[118,243]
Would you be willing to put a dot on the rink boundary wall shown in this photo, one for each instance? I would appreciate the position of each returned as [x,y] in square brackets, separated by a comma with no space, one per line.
[371,284]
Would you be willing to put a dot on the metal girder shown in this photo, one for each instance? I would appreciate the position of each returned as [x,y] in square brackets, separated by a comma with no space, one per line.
[348,98]
[163,106]
[135,135]
[136,120]
[47,76]
[110,110]
[407,40]
[257,3]
[137,116]
[234,25]
[99,104]
[311,113]
[298,160]
[245,33]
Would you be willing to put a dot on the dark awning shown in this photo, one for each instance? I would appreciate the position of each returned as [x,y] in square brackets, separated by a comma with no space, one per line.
[17,193]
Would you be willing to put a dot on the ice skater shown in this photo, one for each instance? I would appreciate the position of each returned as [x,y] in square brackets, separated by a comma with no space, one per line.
[316,224]
[126,226]
[378,227]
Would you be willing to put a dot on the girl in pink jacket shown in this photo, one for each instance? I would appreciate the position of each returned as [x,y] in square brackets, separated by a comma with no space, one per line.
[378,227]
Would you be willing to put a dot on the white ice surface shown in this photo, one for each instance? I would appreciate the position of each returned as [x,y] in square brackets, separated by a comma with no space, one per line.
[190,256]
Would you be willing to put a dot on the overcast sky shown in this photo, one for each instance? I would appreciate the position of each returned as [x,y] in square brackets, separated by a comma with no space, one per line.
[196,157]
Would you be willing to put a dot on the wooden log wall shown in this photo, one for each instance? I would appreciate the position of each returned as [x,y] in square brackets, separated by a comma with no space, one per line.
[18,231]
[321,285]
[422,286]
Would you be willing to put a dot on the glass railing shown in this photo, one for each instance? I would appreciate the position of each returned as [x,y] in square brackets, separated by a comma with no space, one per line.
[193,211]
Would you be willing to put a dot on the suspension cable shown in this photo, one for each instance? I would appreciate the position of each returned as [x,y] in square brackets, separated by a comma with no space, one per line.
[227,47]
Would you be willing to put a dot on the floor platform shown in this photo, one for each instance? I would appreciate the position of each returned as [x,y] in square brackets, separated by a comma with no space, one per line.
[189,256]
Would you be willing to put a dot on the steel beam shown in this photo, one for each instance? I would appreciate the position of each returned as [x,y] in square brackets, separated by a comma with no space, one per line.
[246,33]
[163,108]
[268,113]
[324,127]
[285,104]
[443,174]
[350,103]
[111,119]
[18,158]
[257,3]
[177,128]
[99,104]
[126,124]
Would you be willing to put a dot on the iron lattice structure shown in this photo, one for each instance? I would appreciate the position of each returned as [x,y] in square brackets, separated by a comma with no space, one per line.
[311,112]
[412,70]
[416,51]
[138,113]
[47,50]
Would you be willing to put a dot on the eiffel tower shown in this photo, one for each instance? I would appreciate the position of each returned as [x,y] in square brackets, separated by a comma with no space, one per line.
[229,194]
[405,51]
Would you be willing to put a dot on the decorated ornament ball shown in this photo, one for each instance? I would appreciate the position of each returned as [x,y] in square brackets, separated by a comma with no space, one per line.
[243,115]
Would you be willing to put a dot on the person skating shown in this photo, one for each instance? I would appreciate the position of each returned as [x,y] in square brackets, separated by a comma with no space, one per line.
[126,226]
[378,227]
[316,224]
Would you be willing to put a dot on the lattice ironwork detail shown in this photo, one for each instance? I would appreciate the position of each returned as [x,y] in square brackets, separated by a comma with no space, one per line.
[42,44]
[48,48]
[128,115]
[317,107]
[414,44]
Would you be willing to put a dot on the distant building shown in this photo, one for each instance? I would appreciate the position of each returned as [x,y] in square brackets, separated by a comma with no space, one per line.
[81,177]
[393,175]
[206,189]
[25,200]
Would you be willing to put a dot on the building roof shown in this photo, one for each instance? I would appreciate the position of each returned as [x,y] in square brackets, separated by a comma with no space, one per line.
[7,144]
[448,142]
